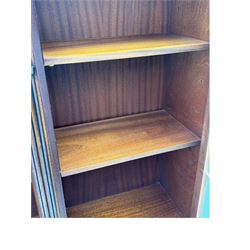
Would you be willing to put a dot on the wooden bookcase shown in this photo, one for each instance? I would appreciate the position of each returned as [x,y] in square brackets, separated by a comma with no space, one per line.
[123,91]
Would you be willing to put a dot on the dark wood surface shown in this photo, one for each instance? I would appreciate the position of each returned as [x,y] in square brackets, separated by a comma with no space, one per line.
[83,19]
[99,90]
[189,18]
[187,88]
[88,92]
[95,145]
[146,202]
[102,182]
[186,96]
[177,174]
[188,73]
[55,53]
[34,211]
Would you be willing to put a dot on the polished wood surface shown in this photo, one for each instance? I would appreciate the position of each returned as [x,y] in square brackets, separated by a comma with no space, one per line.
[89,146]
[111,180]
[119,48]
[87,19]
[87,92]
[147,202]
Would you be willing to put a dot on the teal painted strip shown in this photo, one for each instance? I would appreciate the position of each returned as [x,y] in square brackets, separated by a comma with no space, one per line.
[205,207]
[205,198]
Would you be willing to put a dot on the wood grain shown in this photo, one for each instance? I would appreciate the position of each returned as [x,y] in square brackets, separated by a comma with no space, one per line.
[111,180]
[186,95]
[148,202]
[86,19]
[177,175]
[99,90]
[95,145]
[55,53]
[187,88]
[189,18]
[88,92]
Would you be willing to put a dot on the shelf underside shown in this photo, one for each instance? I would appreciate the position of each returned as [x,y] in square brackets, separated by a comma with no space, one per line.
[55,53]
[147,202]
[95,145]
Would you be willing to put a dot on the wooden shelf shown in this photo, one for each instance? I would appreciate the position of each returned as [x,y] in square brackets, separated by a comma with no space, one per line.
[147,202]
[118,48]
[99,144]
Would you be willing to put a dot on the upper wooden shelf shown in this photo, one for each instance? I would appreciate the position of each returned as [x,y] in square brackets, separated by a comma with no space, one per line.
[55,53]
[99,144]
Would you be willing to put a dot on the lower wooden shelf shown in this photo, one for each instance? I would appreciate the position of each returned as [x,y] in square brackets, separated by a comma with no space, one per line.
[146,202]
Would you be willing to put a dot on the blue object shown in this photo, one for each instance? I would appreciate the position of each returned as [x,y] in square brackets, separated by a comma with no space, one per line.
[204,206]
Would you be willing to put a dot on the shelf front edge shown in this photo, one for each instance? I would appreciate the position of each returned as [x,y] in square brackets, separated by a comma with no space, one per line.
[118,56]
[126,159]
[120,48]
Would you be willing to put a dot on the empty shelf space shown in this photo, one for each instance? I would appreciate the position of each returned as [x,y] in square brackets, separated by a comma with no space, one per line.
[147,202]
[55,53]
[99,144]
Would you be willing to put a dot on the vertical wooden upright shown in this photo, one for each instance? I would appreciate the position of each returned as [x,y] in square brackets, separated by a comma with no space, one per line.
[45,165]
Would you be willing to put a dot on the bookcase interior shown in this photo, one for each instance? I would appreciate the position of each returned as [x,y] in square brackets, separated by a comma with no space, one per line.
[107,85]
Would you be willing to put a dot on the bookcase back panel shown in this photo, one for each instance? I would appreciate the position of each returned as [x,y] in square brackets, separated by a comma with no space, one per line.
[110,180]
[85,19]
[92,91]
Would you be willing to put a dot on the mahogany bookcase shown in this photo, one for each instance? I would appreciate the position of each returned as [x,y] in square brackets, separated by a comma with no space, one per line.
[119,107]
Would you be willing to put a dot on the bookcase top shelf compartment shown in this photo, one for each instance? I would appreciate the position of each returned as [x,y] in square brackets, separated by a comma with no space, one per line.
[56,53]
[99,144]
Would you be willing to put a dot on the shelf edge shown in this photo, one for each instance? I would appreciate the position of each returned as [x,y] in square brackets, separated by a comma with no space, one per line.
[128,158]
[124,55]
